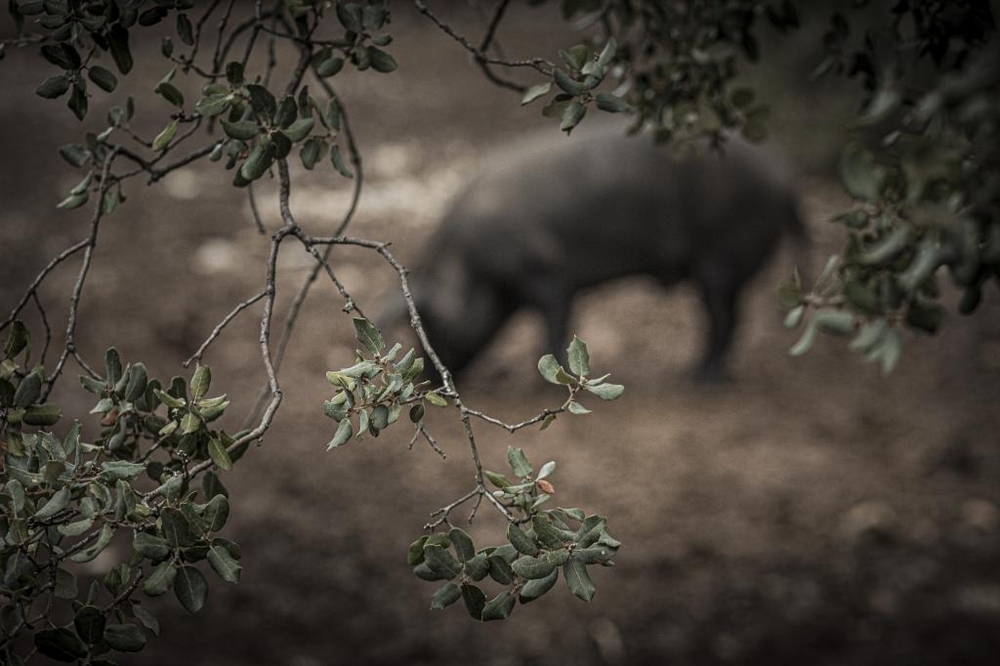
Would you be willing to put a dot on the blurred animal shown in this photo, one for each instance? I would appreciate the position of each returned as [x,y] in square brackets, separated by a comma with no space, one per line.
[554,215]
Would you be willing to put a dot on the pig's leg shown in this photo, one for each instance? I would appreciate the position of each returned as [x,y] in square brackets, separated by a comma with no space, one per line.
[553,301]
[719,293]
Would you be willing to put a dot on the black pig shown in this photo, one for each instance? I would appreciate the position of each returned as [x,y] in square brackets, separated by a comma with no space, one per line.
[555,215]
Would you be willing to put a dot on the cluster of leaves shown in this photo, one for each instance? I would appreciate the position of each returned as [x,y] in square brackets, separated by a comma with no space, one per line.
[676,63]
[928,199]
[63,500]
[586,70]
[575,381]
[262,129]
[106,26]
[376,390]
[259,126]
[539,544]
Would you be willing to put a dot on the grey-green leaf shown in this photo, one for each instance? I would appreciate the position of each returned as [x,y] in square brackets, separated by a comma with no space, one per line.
[103,78]
[500,607]
[125,637]
[161,578]
[521,541]
[536,588]
[578,357]
[532,567]
[164,138]
[518,462]
[606,391]
[578,580]
[191,588]
[445,596]
[224,564]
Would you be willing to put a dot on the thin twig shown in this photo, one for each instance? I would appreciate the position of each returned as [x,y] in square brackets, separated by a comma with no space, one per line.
[69,346]
[221,325]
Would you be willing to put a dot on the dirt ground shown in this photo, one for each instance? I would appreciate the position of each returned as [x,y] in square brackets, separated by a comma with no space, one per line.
[810,511]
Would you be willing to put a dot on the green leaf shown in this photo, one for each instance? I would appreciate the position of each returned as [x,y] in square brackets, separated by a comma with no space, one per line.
[606,391]
[299,129]
[329,67]
[17,339]
[201,381]
[65,585]
[103,78]
[243,130]
[53,87]
[840,322]
[462,543]
[217,452]
[381,61]
[89,623]
[610,103]
[368,335]
[594,555]
[886,248]
[184,29]
[572,116]
[344,433]
[164,138]
[29,390]
[578,580]
[415,554]
[170,93]
[88,554]
[441,562]
[520,540]
[338,163]
[160,579]
[176,529]
[58,502]
[862,178]
[150,546]
[191,588]
[608,52]
[118,45]
[61,644]
[474,600]
[75,528]
[500,607]
[548,368]
[213,105]
[445,596]
[332,114]
[259,160]
[578,357]
[533,589]
[312,152]
[500,570]
[216,513]
[518,462]
[41,415]
[532,567]
[224,564]
[435,399]
[498,480]
[566,83]
[190,423]
[262,101]
[125,637]
[536,91]
[350,16]
[548,534]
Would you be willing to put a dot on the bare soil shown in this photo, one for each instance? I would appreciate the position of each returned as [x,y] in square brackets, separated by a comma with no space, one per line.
[809,511]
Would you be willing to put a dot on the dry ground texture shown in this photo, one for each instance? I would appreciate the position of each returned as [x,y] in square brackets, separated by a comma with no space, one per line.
[808,512]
